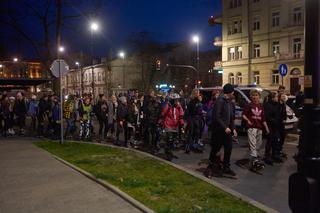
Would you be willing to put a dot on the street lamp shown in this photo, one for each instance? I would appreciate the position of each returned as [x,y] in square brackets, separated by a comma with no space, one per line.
[94,27]
[196,39]
[123,55]
[60,51]
[78,66]
[15,59]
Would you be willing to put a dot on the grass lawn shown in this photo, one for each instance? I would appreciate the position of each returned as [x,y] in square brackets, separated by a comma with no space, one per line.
[158,185]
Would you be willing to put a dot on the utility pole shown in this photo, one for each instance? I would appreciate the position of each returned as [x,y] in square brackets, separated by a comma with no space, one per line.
[249,44]
[304,185]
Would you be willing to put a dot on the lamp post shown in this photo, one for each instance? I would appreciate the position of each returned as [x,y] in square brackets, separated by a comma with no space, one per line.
[78,66]
[304,185]
[196,40]
[94,27]
[122,55]
[60,51]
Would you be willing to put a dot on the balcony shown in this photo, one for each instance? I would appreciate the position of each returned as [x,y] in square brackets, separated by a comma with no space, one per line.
[290,56]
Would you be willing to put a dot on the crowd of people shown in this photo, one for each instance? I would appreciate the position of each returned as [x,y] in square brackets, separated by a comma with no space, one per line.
[144,121]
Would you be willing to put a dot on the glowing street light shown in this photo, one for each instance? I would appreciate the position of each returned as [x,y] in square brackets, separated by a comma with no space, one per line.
[61,49]
[122,54]
[15,59]
[94,26]
[196,39]
[77,63]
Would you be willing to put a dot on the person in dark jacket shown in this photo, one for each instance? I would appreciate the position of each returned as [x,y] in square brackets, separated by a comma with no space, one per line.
[223,130]
[154,109]
[194,119]
[43,111]
[5,114]
[146,115]
[20,110]
[101,111]
[274,118]
[122,120]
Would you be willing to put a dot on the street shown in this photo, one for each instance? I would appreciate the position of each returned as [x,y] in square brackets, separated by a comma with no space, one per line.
[271,188]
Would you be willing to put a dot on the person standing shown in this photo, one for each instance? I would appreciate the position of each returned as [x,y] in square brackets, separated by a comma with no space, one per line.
[85,112]
[20,110]
[146,116]
[122,120]
[154,109]
[223,130]
[254,116]
[32,112]
[283,106]
[69,113]
[274,120]
[43,109]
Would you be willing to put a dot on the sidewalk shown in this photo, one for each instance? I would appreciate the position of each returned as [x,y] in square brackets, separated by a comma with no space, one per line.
[33,181]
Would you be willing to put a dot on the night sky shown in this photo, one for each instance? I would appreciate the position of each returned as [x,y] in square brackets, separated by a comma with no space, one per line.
[166,20]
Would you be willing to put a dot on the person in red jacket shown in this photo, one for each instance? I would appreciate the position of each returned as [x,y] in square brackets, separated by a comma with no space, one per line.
[172,115]
[255,119]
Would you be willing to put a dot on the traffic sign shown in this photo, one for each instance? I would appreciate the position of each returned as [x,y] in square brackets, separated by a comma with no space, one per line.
[64,68]
[283,70]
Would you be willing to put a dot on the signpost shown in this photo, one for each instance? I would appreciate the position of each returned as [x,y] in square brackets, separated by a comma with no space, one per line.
[59,68]
[283,70]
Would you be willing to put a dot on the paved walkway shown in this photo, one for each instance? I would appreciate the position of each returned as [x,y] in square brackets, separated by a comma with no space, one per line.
[33,181]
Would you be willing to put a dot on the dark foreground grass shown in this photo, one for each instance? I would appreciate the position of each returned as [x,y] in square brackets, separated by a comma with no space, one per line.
[158,185]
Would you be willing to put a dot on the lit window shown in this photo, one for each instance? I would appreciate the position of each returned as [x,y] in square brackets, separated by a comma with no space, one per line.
[275,47]
[238,52]
[256,50]
[296,47]
[231,53]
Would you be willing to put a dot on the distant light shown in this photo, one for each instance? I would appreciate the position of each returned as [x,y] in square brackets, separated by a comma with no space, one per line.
[196,39]
[163,85]
[66,97]
[61,49]
[220,71]
[157,86]
[94,26]
[1,65]
[15,59]
[77,63]
[173,86]
[122,54]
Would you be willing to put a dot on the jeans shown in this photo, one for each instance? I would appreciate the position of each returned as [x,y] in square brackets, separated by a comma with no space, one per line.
[219,139]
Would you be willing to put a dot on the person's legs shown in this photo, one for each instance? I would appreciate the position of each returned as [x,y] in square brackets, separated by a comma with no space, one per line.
[252,133]
[227,144]
[216,144]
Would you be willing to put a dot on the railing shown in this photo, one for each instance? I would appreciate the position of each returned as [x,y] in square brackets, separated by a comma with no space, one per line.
[290,56]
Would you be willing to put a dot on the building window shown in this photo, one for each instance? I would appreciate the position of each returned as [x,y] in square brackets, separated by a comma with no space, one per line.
[256,77]
[275,47]
[276,19]
[99,76]
[256,50]
[235,3]
[296,47]
[275,77]
[238,51]
[256,23]
[231,78]
[239,78]
[297,16]
[235,27]
[231,54]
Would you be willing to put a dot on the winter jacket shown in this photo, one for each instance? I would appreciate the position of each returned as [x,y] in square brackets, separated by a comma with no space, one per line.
[195,109]
[223,114]
[154,109]
[111,112]
[20,108]
[172,116]
[69,110]
[122,112]
[33,108]
[85,112]
[273,115]
[56,112]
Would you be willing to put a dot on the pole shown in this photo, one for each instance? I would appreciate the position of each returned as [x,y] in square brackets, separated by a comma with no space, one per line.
[123,74]
[249,44]
[92,69]
[198,61]
[304,185]
[61,103]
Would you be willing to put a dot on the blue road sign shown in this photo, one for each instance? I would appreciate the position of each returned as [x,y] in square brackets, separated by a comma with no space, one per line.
[283,70]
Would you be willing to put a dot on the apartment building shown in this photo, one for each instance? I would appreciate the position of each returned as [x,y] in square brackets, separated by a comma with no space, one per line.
[258,36]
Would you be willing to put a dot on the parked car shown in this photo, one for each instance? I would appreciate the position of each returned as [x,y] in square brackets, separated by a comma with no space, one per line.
[242,98]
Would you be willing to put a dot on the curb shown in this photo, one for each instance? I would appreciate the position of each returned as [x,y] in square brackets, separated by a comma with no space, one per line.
[190,172]
[107,185]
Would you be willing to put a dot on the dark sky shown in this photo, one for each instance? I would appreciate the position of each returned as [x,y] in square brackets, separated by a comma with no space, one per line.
[166,20]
